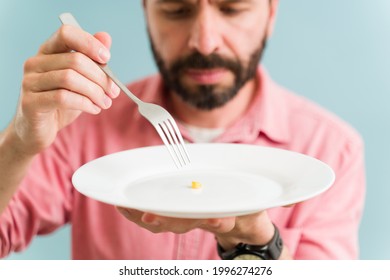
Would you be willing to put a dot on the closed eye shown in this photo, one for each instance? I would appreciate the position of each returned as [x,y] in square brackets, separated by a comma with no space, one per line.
[177,10]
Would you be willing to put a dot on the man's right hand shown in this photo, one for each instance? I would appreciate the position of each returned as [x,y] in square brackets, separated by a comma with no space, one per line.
[60,83]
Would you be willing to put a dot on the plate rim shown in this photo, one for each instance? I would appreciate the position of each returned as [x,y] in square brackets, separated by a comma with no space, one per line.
[202,214]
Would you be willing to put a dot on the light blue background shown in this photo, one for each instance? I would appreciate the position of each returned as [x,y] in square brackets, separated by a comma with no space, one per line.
[334,52]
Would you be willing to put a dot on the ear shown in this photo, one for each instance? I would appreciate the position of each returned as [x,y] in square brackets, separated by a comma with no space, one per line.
[272,16]
[144,3]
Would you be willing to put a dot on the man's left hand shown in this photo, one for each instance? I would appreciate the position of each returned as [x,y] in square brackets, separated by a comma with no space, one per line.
[255,228]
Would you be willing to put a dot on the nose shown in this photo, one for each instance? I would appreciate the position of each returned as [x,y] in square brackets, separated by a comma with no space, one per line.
[205,35]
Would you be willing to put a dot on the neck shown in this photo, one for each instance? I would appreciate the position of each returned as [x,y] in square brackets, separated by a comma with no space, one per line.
[220,117]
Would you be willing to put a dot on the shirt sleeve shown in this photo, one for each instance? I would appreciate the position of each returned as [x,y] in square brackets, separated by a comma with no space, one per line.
[43,200]
[326,227]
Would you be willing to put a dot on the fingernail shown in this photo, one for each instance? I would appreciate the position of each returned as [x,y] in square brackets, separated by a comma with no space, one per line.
[214,223]
[151,220]
[107,102]
[104,55]
[115,90]
[96,109]
[215,226]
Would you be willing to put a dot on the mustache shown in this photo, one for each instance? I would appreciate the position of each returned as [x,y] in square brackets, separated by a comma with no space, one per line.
[199,61]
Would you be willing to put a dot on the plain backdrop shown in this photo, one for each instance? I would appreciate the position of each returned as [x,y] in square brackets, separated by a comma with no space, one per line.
[333,52]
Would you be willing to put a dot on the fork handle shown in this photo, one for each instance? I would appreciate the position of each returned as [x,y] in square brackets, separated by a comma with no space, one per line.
[69,19]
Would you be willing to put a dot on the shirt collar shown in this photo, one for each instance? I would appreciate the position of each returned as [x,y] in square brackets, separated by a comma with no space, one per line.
[273,109]
[268,114]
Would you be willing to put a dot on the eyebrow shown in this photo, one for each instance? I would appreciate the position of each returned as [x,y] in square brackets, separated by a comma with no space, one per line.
[193,2]
[187,1]
[228,1]
[172,1]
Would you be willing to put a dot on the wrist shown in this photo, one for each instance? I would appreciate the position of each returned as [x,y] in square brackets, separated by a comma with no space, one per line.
[272,250]
[254,229]
[11,145]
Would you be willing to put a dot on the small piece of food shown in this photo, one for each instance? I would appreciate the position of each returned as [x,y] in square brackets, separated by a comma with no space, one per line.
[196,185]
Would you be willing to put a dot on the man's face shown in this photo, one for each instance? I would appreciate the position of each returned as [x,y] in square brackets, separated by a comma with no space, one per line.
[206,50]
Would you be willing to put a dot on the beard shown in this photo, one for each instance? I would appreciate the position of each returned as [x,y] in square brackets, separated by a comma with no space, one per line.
[207,97]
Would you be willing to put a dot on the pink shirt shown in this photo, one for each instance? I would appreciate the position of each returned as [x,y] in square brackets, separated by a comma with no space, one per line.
[325,227]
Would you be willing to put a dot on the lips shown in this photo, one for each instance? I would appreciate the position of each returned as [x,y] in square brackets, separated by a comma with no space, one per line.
[206,76]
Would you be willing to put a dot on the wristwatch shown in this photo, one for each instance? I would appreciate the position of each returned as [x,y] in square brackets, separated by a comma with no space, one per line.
[269,251]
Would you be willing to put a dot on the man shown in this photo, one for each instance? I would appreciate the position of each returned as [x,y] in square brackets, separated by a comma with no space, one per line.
[207,52]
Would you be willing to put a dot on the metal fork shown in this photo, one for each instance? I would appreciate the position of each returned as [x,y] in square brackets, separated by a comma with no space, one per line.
[160,118]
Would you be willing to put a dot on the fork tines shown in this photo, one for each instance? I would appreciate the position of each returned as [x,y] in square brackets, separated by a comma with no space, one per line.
[171,136]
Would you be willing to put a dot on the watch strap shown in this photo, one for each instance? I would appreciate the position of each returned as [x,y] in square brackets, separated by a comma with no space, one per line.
[270,251]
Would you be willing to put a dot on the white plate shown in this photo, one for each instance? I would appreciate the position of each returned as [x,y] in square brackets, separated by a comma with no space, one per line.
[236,180]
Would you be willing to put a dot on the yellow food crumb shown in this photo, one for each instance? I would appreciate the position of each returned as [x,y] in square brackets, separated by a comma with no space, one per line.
[196,185]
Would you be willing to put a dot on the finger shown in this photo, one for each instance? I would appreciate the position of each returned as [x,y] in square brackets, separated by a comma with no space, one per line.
[150,219]
[178,225]
[76,61]
[69,38]
[156,223]
[289,205]
[105,38]
[60,99]
[175,225]
[221,225]
[70,80]
[135,216]
[131,214]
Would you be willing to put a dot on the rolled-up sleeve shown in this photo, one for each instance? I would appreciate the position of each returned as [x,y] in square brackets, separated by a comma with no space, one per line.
[42,202]
[327,226]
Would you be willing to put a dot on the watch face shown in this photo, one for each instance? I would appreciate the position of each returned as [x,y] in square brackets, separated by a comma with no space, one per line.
[247,257]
